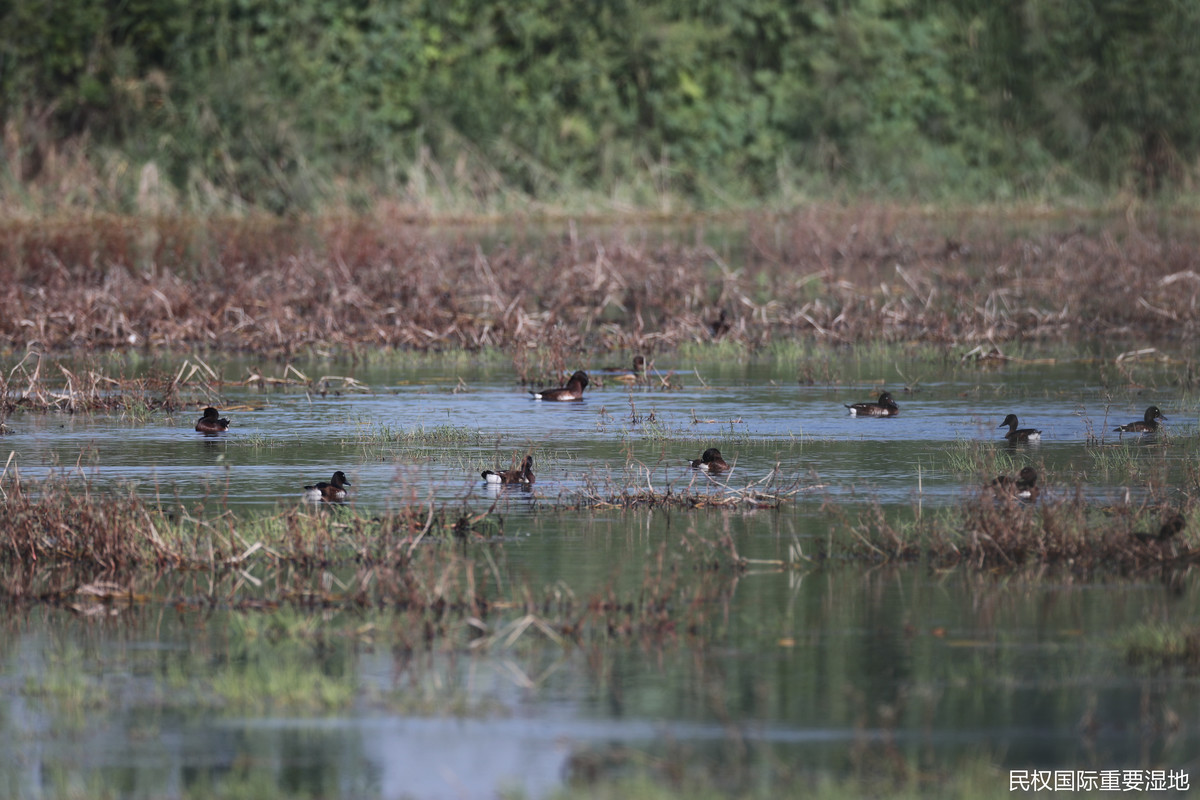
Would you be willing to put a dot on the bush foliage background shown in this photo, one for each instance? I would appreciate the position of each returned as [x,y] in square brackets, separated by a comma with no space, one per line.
[168,104]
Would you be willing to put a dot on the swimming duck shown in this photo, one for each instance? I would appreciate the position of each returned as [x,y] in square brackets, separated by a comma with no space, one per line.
[1021,435]
[1149,424]
[886,407]
[638,372]
[1173,525]
[523,475]
[710,461]
[332,492]
[211,422]
[1022,487]
[572,391]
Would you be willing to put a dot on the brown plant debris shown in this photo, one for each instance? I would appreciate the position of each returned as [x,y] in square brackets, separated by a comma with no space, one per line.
[836,275]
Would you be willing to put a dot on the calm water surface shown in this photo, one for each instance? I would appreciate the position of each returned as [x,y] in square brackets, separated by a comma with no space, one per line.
[818,669]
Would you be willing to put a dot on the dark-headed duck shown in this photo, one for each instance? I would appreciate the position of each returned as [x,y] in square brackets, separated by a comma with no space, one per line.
[638,373]
[572,391]
[332,492]
[212,422]
[721,325]
[1173,525]
[886,407]
[523,475]
[711,462]
[1019,435]
[1022,487]
[1149,424]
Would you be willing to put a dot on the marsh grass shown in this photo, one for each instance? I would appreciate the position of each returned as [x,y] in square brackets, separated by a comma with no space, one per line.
[37,384]
[410,559]
[1160,646]
[700,430]
[545,459]
[1002,533]
[1132,461]
[55,524]
[380,434]
[971,457]
[555,298]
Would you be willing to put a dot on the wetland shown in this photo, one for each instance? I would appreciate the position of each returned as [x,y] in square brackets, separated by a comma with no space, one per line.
[852,608]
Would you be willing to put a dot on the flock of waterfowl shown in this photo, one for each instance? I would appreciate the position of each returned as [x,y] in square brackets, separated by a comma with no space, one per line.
[1023,486]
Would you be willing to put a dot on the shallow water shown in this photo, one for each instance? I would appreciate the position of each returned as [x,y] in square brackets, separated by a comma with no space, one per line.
[757,414]
[824,670]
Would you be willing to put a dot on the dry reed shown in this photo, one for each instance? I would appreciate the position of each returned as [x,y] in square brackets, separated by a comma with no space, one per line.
[281,286]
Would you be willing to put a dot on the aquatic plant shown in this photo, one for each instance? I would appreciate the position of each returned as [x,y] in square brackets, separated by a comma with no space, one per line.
[36,383]
[974,458]
[1161,646]
[991,531]
[1132,461]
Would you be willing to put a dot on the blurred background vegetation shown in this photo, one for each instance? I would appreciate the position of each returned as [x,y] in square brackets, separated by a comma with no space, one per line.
[469,106]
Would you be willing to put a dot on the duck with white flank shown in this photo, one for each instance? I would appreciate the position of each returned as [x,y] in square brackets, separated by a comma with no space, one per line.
[332,492]
[886,407]
[1016,434]
[524,475]
[572,391]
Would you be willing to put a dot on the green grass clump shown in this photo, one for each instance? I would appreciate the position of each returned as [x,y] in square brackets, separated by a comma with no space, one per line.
[369,433]
[1161,646]
[709,353]
[971,457]
[1131,461]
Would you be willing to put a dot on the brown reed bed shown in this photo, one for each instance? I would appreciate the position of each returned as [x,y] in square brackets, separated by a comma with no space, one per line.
[37,384]
[96,553]
[56,525]
[282,286]
[987,533]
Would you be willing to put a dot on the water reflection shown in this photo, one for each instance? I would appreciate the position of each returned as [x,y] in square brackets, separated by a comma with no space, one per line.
[816,671]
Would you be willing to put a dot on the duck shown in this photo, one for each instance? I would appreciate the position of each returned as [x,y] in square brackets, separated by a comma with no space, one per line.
[1019,435]
[1022,487]
[710,461]
[638,373]
[639,366]
[1148,424]
[720,326]
[572,391]
[1173,525]
[332,492]
[885,407]
[523,475]
[212,422]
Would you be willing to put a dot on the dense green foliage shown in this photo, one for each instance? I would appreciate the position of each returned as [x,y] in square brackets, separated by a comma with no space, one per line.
[284,104]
